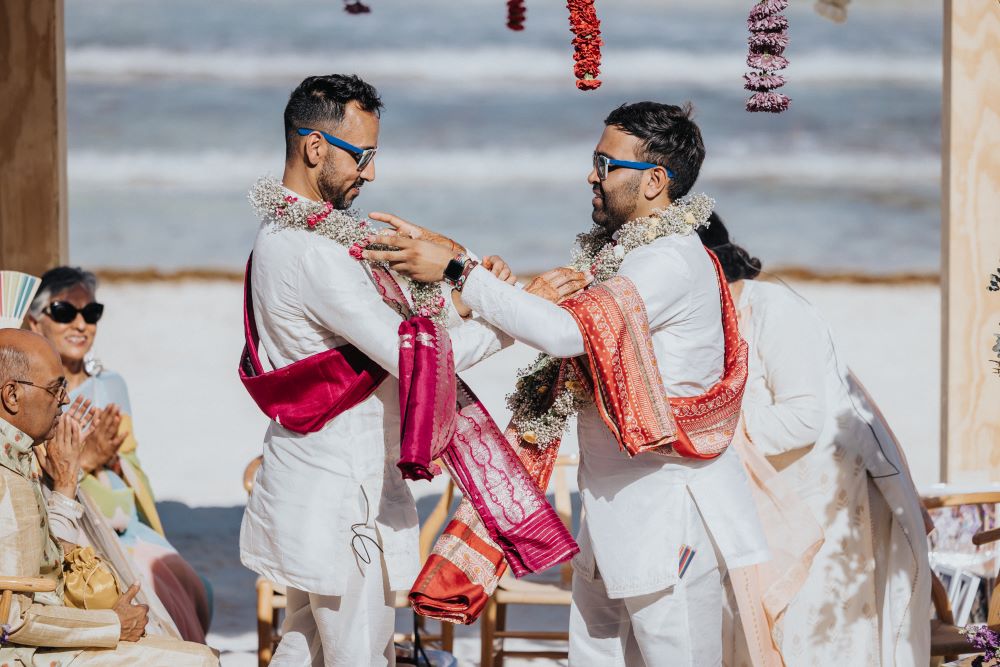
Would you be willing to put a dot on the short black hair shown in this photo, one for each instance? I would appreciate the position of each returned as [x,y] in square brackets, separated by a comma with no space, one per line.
[322,99]
[736,262]
[669,136]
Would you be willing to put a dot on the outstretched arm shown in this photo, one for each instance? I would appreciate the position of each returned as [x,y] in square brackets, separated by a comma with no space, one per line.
[530,319]
[339,296]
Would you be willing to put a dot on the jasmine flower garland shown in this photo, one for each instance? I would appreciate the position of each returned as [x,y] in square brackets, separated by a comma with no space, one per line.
[273,202]
[549,392]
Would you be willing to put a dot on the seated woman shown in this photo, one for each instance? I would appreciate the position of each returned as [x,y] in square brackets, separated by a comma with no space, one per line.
[866,596]
[66,312]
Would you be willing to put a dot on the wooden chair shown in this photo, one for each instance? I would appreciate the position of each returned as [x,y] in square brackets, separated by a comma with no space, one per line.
[271,599]
[493,623]
[23,585]
[946,640]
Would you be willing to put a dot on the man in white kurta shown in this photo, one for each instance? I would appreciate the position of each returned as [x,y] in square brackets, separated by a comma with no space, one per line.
[330,516]
[631,606]
[639,512]
[867,596]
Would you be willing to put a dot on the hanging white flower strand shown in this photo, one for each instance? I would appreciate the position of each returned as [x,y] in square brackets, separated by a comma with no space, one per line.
[768,39]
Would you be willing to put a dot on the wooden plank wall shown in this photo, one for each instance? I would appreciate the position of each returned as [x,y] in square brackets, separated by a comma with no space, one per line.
[33,234]
[970,377]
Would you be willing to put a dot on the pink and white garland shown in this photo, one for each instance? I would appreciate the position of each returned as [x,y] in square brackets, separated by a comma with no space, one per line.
[768,39]
[275,203]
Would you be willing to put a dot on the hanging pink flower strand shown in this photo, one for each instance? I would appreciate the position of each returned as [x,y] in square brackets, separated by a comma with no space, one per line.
[768,39]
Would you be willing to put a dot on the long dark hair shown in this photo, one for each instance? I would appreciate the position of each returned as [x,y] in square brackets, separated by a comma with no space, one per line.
[736,262]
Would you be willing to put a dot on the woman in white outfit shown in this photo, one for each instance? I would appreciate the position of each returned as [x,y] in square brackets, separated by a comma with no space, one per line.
[866,599]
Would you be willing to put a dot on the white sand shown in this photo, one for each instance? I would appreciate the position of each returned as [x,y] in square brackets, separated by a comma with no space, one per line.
[177,345]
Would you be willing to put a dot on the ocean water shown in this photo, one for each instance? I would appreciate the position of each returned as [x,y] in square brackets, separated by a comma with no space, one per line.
[174,109]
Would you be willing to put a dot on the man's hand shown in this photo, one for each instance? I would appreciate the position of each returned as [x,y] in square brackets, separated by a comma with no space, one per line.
[406,228]
[499,268]
[104,439]
[420,260]
[558,284]
[132,617]
[84,414]
[60,457]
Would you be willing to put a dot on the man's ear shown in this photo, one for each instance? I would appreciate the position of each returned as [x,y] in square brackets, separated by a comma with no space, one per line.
[9,398]
[313,149]
[657,184]
[33,324]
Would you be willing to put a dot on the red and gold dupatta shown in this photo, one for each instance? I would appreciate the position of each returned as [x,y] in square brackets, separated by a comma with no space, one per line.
[464,566]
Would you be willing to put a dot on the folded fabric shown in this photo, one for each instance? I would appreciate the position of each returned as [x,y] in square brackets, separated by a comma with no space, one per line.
[307,394]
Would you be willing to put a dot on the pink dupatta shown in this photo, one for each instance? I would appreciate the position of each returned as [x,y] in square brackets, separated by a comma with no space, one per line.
[443,418]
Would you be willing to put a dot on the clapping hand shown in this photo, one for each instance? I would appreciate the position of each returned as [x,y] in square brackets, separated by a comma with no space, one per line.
[60,456]
[104,439]
[84,414]
[559,284]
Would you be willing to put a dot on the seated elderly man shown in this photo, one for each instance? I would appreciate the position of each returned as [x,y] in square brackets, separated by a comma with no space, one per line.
[42,631]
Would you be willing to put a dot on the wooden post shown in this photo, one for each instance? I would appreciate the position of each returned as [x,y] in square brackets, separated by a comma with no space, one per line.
[970,157]
[33,234]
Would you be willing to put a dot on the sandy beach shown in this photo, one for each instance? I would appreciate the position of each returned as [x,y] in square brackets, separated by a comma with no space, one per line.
[177,344]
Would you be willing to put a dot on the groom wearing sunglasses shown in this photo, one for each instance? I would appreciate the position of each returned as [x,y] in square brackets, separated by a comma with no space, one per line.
[667,506]
[330,516]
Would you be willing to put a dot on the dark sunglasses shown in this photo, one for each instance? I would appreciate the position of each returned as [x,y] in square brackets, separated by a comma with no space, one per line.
[361,155]
[64,312]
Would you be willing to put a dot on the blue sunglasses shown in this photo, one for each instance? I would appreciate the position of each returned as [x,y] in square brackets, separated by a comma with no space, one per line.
[603,164]
[361,155]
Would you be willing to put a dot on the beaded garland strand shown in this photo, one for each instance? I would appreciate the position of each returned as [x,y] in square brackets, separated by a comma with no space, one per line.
[273,202]
[549,392]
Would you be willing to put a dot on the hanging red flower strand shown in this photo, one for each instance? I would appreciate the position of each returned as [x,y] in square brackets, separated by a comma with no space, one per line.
[587,43]
[515,14]
[768,39]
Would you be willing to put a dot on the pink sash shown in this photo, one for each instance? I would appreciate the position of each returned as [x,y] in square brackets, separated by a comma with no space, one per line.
[305,395]
[441,417]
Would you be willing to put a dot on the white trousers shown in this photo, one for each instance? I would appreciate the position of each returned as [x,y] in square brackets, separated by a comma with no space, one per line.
[350,630]
[680,626]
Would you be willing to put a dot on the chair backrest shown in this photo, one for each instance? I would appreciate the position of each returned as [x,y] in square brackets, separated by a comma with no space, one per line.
[939,594]
[564,504]
[435,521]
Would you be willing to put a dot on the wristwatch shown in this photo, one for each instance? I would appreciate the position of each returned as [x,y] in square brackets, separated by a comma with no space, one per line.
[453,272]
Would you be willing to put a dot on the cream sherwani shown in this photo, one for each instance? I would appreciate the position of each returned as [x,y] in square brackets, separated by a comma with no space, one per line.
[43,632]
[867,598]
[629,605]
[314,493]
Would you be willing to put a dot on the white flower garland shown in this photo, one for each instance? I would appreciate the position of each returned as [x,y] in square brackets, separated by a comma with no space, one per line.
[272,201]
[543,401]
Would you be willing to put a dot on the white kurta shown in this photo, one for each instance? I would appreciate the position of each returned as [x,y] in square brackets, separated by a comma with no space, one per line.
[635,509]
[867,598]
[309,296]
